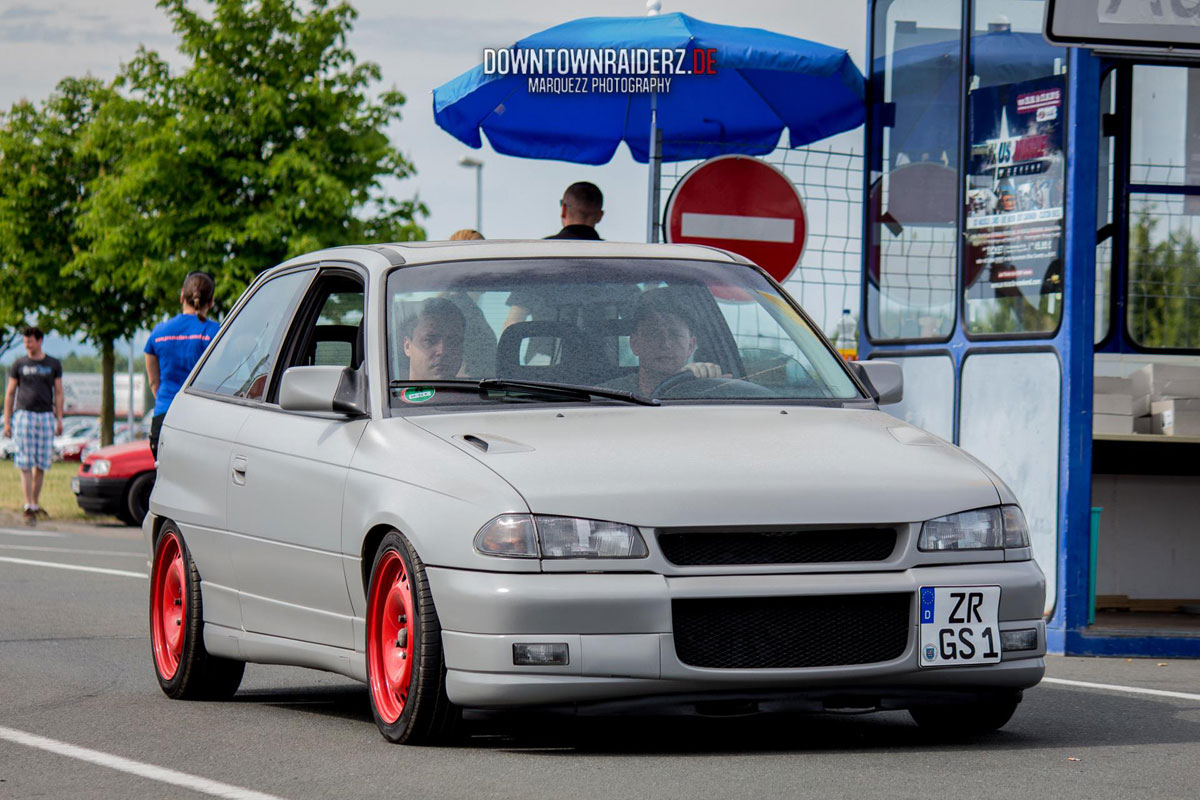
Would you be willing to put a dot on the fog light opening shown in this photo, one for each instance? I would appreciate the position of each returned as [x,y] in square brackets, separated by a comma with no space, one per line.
[1024,639]
[541,654]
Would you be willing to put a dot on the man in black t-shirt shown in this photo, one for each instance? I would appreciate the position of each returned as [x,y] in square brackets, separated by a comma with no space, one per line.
[33,412]
[580,211]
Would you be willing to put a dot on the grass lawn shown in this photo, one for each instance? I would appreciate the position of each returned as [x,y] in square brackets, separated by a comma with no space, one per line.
[56,498]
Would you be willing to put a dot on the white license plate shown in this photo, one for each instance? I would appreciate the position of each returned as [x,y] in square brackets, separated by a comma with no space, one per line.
[75,485]
[960,626]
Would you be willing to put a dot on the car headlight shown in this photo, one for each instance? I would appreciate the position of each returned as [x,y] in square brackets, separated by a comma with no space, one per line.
[100,466]
[534,536]
[982,529]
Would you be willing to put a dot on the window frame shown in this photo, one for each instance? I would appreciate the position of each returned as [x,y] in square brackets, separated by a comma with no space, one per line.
[1067,142]
[1124,195]
[252,290]
[872,224]
[300,325]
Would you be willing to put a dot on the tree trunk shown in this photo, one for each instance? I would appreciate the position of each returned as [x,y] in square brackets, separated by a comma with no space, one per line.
[107,397]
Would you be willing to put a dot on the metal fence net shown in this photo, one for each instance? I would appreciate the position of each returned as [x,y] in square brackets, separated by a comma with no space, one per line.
[829,181]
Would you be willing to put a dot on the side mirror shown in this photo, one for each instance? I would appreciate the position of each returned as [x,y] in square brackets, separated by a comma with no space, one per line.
[883,378]
[339,390]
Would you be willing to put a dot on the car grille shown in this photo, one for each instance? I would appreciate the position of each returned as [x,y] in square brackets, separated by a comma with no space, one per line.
[791,632]
[710,548]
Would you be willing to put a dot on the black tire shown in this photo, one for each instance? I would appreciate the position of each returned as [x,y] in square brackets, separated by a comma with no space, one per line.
[411,708]
[185,670]
[136,502]
[967,719]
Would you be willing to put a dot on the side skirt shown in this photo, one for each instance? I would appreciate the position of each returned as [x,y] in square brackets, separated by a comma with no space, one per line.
[262,649]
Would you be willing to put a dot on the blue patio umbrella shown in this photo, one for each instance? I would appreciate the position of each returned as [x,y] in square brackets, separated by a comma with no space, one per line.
[765,82]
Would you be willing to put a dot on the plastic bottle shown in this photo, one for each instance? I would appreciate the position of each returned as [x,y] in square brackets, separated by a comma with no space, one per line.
[846,336]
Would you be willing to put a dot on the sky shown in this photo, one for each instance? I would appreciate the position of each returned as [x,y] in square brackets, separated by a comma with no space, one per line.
[419,46]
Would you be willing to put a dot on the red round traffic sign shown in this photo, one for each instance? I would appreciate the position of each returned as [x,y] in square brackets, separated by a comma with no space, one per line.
[740,204]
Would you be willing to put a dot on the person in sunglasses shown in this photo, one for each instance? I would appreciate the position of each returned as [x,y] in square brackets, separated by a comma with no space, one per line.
[176,345]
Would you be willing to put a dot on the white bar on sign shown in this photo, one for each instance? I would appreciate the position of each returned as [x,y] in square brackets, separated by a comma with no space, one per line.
[732,226]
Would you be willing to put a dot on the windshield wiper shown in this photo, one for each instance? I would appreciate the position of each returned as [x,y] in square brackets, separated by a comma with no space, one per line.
[546,388]
[568,390]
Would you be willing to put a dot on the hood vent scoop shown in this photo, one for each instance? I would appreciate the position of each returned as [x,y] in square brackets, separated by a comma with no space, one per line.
[491,444]
[913,436]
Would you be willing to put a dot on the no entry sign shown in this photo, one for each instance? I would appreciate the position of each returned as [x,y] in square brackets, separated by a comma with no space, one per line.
[741,204]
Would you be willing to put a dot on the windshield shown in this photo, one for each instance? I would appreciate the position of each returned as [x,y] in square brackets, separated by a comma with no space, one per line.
[669,330]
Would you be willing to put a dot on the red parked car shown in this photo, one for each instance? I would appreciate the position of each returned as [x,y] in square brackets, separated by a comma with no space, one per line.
[116,480]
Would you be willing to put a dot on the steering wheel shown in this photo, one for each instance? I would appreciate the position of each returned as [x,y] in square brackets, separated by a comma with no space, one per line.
[671,381]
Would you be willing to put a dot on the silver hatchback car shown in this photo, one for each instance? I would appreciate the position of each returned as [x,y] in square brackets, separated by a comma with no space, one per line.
[583,475]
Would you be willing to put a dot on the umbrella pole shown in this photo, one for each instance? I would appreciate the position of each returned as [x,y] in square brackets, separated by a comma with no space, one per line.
[654,165]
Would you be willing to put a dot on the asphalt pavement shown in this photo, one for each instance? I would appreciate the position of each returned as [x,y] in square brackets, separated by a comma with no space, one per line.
[81,716]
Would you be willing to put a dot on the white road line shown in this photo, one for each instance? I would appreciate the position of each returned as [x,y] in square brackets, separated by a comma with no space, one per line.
[736,226]
[27,532]
[43,549]
[160,774]
[78,567]
[1109,687]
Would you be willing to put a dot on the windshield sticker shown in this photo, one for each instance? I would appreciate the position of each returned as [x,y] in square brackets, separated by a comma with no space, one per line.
[417,395]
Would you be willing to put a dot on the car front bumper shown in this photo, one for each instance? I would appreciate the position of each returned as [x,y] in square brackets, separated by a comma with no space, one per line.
[618,630]
[98,495]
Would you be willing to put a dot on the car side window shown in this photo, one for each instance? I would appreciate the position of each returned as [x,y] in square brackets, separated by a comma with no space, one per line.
[240,362]
[327,331]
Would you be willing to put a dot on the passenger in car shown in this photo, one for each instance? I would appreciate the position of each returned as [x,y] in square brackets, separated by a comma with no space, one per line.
[663,341]
[433,340]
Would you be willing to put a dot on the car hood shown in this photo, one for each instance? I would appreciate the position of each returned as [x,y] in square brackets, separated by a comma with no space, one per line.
[720,465]
[124,452]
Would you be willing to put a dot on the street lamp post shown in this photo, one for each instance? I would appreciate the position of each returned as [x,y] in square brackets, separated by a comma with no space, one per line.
[477,165]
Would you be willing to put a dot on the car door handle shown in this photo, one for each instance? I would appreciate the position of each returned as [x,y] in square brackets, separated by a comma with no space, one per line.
[239,470]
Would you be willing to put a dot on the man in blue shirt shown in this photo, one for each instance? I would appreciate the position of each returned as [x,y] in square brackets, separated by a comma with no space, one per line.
[176,345]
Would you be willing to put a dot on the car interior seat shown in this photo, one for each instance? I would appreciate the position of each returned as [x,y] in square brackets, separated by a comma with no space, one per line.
[574,355]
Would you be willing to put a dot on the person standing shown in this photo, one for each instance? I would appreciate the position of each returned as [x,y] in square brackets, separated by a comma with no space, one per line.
[176,345]
[580,211]
[33,409]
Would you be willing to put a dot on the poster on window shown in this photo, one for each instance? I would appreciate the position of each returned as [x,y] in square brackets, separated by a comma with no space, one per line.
[1014,216]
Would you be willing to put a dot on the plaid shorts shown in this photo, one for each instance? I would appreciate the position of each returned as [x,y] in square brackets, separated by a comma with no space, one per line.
[33,432]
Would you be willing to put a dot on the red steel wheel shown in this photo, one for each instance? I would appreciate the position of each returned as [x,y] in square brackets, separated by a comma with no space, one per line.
[168,609]
[185,668]
[390,636]
[406,668]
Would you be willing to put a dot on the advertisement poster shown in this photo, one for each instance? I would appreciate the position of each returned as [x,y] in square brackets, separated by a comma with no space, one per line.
[1015,209]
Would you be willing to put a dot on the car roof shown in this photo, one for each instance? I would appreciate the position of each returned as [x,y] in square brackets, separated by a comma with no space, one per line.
[383,257]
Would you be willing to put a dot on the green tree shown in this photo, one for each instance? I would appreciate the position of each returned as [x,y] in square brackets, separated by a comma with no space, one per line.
[47,167]
[266,145]
[1164,284]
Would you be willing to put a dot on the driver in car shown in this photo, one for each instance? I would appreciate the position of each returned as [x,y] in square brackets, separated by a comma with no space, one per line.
[433,341]
[663,342]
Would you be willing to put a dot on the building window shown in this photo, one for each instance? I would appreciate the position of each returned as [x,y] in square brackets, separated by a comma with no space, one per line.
[1015,209]
[913,223]
[1164,220]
